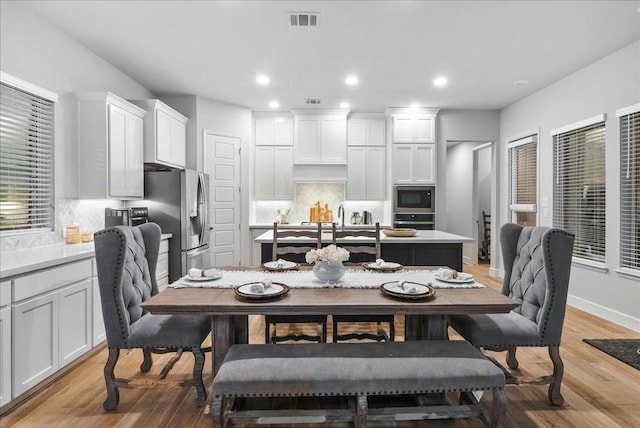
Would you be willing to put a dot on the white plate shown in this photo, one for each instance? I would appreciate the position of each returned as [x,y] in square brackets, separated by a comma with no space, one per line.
[394,287]
[285,265]
[274,289]
[203,278]
[385,265]
[462,278]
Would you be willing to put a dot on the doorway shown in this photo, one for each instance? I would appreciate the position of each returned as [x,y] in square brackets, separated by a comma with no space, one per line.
[482,200]
[222,163]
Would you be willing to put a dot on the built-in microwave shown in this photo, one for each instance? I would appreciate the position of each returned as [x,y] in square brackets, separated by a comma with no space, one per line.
[414,199]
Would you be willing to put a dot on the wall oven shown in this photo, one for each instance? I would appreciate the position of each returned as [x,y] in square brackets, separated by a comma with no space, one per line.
[414,207]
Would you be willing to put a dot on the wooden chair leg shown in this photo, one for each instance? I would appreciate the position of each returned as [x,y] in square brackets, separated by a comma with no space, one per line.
[323,334]
[113,394]
[558,371]
[361,412]
[334,338]
[512,361]
[498,408]
[266,331]
[198,366]
[147,360]
[172,362]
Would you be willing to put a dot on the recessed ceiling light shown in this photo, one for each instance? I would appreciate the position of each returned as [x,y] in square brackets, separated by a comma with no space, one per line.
[263,79]
[414,106]
[521,82]
[274,104]
[344,104]
[440,81]
[351,80]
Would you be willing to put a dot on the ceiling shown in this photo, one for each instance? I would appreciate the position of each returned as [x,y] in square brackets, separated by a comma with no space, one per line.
[215,49]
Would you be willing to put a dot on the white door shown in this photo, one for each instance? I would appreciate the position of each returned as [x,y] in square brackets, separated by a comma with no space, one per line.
[222,163]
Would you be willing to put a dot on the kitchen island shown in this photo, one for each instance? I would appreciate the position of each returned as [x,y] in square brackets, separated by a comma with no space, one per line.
[426,248]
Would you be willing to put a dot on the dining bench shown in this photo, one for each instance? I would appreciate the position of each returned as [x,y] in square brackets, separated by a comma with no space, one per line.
[358,371]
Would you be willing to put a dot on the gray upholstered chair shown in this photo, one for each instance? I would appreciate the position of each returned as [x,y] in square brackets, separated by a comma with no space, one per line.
[537,264]
[126,259]
[371,253]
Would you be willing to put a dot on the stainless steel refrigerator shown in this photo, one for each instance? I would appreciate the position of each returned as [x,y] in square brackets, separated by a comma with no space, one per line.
[178,201]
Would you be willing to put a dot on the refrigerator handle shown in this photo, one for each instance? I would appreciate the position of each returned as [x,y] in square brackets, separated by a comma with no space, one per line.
[202,207]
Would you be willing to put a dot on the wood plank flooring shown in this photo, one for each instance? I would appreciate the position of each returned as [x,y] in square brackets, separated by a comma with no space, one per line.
[599,390]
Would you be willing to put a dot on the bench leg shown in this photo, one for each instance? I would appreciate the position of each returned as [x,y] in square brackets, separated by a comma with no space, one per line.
[498,408]
[361,412]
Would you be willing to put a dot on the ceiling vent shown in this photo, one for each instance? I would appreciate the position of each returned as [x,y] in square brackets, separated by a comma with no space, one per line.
[312,101]
[304,19]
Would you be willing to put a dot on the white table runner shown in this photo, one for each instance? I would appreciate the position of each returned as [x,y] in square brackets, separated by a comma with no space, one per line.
[306,279]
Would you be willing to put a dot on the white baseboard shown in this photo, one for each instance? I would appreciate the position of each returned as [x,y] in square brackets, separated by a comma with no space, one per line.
[603,312]
[496,272]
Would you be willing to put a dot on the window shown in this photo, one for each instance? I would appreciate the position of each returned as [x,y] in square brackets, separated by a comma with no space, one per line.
[630,187]
[579,185]
[523,180]
[26,157]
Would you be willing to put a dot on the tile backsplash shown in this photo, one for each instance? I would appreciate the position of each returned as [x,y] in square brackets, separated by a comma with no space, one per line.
[306,195]
[88,214]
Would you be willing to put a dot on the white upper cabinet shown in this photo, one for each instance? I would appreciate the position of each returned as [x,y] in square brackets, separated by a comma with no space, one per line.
[414,128]
[110,147]
[273,131]
[165,134]
[414,164]
[366,132]
[273,173]
[366,178]
[320,139]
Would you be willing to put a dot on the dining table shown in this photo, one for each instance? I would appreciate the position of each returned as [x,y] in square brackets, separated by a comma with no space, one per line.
[359,292]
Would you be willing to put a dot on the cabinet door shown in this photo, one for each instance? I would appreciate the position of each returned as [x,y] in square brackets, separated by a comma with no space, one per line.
[75,316]
[35,339]
[307,143]
[264,132]
[283,129]
[5,355]
[179,143]
[403,129]
[403,163]
[376,177]
[425,164]
[263,173]
[117,152]
[425,129]
[134,157]
[375,132]
[357,173]
[163,136]
[334,140]
[357,132]
[98,332]
[283,173]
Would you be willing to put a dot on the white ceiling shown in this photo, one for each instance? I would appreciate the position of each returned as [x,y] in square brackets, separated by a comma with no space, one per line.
[216,49]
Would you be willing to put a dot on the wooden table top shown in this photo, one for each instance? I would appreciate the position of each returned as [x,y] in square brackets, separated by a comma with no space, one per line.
[336,301]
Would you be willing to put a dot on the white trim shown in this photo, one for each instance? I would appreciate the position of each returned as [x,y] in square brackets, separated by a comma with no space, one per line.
[481,146]
[628,272]
[23,85]
[524,208]
[522,141]
[580,124]
[590,264]
[628,110]
[604,312]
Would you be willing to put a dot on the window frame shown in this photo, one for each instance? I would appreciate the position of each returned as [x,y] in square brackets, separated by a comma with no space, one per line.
[596,261]
[18,84]
[531,138]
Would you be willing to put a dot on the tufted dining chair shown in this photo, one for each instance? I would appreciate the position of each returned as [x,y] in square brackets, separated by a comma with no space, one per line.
[537,264]
[126,259]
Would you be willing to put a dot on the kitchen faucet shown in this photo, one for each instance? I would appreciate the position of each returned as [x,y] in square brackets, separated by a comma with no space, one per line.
[341,215]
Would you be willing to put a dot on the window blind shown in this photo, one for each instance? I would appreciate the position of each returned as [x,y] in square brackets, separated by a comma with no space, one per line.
[579,188]
[523,180]
[630,190]
[26,161]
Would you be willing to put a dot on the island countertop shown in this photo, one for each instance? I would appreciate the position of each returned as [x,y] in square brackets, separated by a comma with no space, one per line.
[421,237]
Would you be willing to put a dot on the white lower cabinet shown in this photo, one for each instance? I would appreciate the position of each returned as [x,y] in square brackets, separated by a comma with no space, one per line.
[5,355]
[98,332]
[75,321]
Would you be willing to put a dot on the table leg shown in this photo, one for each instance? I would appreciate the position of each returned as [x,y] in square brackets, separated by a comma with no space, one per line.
[425,327]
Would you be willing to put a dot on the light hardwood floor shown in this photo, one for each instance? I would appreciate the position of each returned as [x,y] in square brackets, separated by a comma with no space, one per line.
[599,390]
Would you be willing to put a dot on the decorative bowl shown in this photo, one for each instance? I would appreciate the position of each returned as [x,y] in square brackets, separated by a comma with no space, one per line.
[399,232]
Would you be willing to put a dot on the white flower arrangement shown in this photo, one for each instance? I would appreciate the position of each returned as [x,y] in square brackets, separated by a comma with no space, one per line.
[330,253]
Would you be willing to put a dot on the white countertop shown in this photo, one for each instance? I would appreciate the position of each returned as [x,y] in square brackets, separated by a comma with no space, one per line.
[421,237]
[299,226]
[31,259]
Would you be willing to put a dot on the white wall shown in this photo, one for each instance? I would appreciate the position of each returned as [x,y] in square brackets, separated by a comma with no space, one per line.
[602,87]
[35,51]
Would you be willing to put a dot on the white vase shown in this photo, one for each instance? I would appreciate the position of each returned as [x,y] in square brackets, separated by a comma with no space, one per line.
[329,271]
